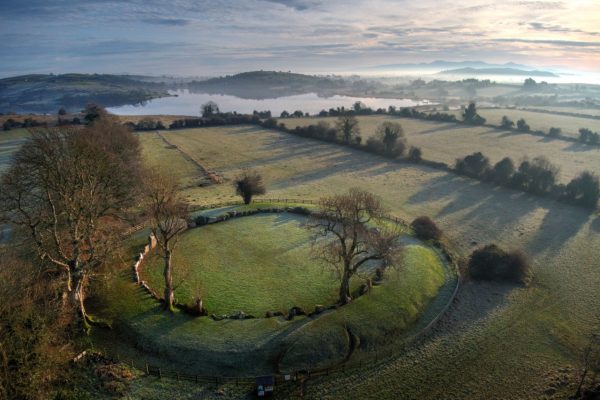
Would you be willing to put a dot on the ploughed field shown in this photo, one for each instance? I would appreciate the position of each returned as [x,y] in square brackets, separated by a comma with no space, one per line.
[445,142]
[497,341]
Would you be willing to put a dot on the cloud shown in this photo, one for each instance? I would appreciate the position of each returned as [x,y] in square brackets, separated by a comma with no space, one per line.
[167,21]
[540,26]
[299,5]
[554,42]
[214,36]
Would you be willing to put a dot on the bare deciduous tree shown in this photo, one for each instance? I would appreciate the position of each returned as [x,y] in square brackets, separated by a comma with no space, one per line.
[346,239]
[209,109]
[347,125]
[68,191]
[249,184]
[590,361]
[34,349]
[168,212]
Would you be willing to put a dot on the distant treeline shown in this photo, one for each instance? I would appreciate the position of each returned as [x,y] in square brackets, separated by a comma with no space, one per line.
[469,117]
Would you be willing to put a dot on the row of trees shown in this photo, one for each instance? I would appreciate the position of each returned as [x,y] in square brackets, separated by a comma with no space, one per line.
[538,176]
[587,136]
[388,141]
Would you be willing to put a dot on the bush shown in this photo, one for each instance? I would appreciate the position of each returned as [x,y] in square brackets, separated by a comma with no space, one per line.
[554,132]
[584,190]
[587,136]
[475,165]
[491,263]
[538,176]
[507,123]
[503,171]
[426,229]
[523,126]
[415,154]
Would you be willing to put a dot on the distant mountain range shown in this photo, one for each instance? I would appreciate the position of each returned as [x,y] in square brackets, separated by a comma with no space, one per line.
[469,71]
[441,65]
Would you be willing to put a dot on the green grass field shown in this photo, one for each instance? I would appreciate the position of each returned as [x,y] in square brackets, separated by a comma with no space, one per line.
[539,121]
[254,264]
[524,339]
[446,142]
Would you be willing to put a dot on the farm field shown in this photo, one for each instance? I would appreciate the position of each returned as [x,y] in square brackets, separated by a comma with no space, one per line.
[10,142]
[538,120]
[446,142]
[526,340]
[585,111]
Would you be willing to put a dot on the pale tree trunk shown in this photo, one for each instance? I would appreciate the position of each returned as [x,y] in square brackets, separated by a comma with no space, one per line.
[77,296]
[167,272]
[345,286]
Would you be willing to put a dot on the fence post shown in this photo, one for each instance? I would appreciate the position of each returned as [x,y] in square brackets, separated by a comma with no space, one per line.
[159,373]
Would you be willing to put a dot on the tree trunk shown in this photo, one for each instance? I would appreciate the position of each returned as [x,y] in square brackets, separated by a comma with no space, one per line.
[345,288]
[578,392]
[168,295]
[77,297]
[247,198]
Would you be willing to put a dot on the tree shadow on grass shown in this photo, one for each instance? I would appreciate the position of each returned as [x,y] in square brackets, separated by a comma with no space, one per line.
[595,226]
[444,127]
[497,209]
[580,147]
[241,129]
[561,223]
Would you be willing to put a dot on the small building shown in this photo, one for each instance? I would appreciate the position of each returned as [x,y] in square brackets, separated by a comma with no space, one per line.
[265,386]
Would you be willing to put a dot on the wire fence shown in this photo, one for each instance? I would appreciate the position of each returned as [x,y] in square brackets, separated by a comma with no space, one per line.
[367,359]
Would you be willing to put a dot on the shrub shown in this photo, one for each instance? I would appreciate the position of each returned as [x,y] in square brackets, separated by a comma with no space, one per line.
[426,229]
[522,126]
[270,123]
[554,132]
[475,165]
[537,176]
[415,154]
[503,171]
[587,136]
[584,189]
[491,263]
[507,123]
[249,184]
[471,117]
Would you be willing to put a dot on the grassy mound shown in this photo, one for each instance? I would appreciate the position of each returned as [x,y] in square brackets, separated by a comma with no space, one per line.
[232,265]
[254,264]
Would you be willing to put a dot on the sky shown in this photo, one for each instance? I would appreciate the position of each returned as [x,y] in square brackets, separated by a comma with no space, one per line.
[205,38]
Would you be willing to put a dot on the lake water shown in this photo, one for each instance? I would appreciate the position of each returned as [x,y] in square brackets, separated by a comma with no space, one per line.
[186,103]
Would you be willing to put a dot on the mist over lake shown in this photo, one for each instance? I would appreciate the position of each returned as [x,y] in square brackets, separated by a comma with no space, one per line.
[185,103]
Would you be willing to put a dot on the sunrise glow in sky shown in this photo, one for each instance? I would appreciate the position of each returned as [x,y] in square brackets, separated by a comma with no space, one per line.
[186,37]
